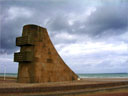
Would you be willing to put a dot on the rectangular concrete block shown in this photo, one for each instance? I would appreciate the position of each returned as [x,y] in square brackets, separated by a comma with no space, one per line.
[24,40]
[23,57]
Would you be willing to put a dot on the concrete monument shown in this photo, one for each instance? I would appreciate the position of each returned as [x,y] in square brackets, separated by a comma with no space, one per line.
[38,59]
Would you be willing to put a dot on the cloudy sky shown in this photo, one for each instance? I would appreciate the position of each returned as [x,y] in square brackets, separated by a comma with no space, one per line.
[90,35]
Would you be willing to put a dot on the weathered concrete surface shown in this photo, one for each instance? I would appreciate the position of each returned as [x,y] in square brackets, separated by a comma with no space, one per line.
[38,59]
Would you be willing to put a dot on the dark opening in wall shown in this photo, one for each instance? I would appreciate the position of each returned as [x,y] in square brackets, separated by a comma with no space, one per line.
[49,61]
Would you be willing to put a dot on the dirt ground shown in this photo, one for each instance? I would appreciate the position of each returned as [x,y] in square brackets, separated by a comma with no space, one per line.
[117,92]
[10,82]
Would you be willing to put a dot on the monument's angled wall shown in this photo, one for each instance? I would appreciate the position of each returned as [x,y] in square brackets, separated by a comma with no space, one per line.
[38,59]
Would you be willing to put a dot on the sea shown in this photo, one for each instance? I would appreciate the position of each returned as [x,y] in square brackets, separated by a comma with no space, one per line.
[84,75]
[104,75]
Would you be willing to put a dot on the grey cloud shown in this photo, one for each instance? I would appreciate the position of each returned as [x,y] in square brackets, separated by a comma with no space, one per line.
[108,18]
[100,62]
[10,29]
[59,23]
[109,24]
[108,21]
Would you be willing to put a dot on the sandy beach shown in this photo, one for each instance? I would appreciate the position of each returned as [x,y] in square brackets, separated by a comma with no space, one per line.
[82,87]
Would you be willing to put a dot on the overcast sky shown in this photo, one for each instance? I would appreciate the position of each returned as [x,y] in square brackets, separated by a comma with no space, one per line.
[90,35]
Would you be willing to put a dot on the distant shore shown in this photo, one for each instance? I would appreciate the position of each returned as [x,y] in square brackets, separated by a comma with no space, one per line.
[85,75]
